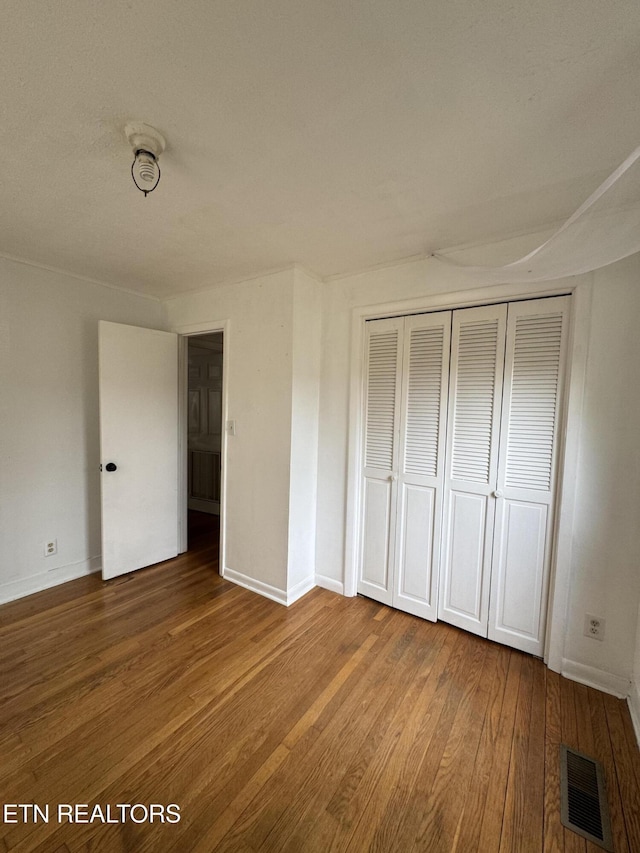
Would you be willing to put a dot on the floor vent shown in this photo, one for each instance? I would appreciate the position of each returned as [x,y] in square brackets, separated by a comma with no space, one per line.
[584,802]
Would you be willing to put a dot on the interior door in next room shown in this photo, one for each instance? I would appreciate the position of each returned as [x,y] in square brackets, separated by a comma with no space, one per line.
[205,421]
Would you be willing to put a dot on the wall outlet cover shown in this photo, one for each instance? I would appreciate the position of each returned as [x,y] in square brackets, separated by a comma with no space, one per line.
[594,626]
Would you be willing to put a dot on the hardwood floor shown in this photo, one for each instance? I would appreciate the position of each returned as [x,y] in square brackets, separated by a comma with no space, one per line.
[335,725]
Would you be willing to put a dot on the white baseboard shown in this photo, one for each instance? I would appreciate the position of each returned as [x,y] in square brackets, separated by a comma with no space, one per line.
[330,584]
[45,580]
[261,588]
[633,701]
[598,678]
[300,589]
[285,597]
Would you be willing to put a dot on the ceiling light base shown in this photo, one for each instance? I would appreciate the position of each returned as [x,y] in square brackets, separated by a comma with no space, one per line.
[143,137]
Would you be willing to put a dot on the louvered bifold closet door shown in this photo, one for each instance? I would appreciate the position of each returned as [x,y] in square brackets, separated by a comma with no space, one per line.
[383,364]
[534,368]
[477,361]
[421,462]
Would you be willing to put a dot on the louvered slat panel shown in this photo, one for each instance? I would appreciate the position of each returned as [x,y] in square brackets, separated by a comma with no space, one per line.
[423,401]
[381,395]
[534,392]
[475,394]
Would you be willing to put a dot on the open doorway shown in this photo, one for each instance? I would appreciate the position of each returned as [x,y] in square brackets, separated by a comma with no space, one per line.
[204,442]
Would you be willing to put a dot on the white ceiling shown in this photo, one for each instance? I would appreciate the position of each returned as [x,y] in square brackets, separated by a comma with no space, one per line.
[337,135]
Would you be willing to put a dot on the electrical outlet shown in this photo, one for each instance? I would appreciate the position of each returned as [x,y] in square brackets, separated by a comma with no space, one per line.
[50,547]
[594,626]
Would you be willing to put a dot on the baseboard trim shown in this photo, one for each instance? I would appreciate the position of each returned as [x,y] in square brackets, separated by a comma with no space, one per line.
[211,507]
[330,584]
[616,685]
[300,589]
[273,592]
[254,585]
[45,580]
[633,701]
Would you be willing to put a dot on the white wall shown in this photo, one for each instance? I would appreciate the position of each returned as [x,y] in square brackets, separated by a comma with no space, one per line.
[604,563]
[49,454]
[272,355]
[272,352]
[307,324]
[258,356]
[606,546]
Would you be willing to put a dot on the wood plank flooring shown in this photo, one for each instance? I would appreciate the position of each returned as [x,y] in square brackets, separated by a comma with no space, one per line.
[335,725]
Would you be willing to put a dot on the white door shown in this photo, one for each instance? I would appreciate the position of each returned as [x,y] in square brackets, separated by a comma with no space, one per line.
[475,392]
[138,382]
[534,367]
[421,462]
[379,485]
[473,533]
[404,442]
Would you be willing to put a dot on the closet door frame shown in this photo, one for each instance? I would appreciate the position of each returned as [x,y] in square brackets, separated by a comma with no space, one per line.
[580,290]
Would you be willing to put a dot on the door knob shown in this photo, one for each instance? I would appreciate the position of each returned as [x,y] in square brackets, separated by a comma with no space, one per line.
[393,477]
[497,493]
[111,466]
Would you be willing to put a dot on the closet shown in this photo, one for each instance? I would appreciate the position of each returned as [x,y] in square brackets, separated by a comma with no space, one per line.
[460,447]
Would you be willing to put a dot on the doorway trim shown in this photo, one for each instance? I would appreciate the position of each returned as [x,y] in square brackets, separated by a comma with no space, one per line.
[580,290]
[185,332]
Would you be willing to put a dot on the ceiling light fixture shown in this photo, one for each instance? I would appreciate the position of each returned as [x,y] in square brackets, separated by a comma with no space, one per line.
[147,146]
